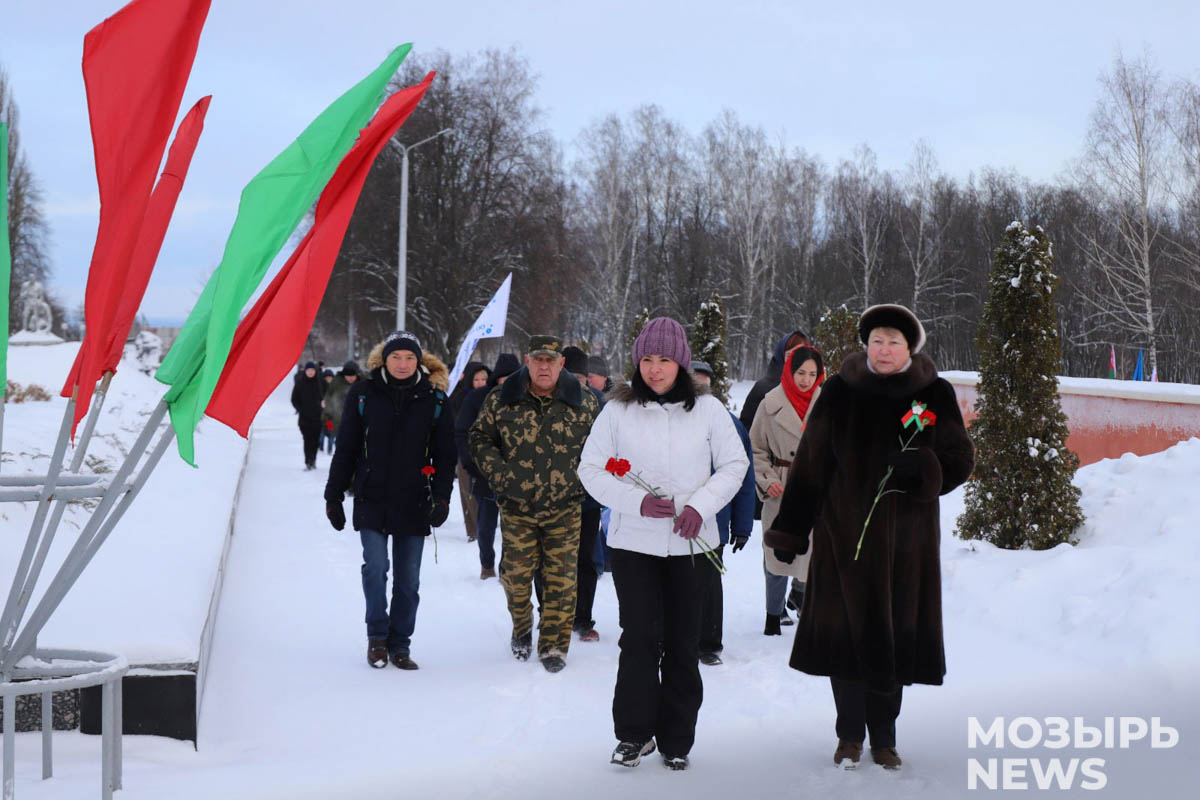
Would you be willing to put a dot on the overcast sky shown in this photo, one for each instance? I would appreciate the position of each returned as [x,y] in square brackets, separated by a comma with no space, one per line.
[999,84]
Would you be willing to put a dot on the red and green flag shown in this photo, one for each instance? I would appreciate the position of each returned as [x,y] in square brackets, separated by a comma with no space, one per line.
[272,205]
[135,67]
[1112,361]
[271,337]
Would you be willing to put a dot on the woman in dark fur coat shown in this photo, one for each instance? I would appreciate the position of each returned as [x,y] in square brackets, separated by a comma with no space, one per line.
[872,619]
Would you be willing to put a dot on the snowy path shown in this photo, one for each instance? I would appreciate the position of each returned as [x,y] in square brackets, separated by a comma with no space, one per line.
[291,709]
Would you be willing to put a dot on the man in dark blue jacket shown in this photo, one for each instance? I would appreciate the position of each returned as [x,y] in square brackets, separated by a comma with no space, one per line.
[738,516]
[576,363]
[488,514]
[396,443]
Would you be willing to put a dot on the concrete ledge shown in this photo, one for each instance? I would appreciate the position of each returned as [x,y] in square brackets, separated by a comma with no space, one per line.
[214,604]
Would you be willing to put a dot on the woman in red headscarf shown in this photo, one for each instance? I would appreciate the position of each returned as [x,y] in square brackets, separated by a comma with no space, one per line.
[775,435]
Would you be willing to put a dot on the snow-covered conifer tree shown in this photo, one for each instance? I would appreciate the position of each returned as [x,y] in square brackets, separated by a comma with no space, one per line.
[708,344]
[836,336]
[1021,496]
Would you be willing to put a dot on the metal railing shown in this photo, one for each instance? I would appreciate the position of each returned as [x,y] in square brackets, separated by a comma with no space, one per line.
[47,671]
[25,669]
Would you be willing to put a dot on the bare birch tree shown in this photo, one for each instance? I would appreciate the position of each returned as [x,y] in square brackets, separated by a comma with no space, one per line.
[1124,171]
[860,200]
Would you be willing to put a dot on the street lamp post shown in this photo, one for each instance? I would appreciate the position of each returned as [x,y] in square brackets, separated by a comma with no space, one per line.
[402,269]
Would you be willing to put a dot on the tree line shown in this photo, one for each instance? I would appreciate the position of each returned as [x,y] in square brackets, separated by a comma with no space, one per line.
[648,216]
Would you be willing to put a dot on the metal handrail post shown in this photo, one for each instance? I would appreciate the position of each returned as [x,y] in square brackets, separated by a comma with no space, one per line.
[119,726]
[77,558]
[106,740]
[10,745]
[47,735]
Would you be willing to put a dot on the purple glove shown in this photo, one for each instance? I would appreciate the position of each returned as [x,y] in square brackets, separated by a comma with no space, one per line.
[688,523]
[657,507]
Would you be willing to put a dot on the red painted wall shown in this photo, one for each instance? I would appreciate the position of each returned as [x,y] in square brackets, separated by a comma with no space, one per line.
[1110,426]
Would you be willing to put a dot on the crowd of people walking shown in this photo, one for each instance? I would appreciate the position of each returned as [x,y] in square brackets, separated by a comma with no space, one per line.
[656,481]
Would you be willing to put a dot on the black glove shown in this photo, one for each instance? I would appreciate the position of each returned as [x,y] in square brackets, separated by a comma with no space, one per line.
[336,514]
[438,511]
[786,556]
[739,542]
[906,463]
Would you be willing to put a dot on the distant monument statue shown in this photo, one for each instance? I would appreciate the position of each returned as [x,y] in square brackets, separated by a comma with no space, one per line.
[34,308]
[36,319]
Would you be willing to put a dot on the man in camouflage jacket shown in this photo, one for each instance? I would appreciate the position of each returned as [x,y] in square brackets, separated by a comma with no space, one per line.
[526,441]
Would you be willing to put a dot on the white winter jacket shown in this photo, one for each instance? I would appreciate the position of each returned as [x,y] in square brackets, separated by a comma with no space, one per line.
[695,457]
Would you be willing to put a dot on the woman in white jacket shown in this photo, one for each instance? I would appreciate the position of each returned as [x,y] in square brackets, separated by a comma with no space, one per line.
[684,447]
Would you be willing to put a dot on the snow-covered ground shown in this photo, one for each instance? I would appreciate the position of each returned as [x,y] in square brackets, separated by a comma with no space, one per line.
[146,594]
[291,710]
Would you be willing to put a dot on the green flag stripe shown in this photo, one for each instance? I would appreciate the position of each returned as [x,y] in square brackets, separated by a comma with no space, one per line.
[272,205]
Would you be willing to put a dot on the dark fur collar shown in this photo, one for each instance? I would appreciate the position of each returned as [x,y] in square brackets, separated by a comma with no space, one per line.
[920,374]
[516,387]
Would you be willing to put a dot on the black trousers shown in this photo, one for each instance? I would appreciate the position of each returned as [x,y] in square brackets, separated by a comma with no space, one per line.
[712,608]
[659,691]
[860,710]
[586,572]
[311,431]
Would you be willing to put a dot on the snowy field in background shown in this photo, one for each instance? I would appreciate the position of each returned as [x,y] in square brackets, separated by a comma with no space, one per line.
[291,709]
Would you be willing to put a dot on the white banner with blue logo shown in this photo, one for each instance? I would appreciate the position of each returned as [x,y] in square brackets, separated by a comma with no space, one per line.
[489,324]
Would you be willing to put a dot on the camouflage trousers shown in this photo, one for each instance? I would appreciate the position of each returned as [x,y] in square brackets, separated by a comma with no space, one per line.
[547,544]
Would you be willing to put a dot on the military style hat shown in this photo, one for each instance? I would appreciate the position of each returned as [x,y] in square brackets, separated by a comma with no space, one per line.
[545,345]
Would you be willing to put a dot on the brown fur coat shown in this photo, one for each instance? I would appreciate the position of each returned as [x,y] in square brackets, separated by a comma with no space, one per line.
[879,618]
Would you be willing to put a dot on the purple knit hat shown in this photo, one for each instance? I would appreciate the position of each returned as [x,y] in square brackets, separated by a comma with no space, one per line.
[663,336]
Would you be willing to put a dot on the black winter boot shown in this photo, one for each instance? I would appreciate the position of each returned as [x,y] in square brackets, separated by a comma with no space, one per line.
[772,626]
[522,646]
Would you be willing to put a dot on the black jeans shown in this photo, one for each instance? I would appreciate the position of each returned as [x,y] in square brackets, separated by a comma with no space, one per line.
[713,608]
[487,515]
[860,709]
[587,573]
[311,431]
[659,691]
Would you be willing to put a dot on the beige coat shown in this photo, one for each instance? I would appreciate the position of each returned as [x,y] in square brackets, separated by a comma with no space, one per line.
[775,436]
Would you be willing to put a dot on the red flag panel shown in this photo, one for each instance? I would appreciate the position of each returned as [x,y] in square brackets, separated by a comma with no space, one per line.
[135,67]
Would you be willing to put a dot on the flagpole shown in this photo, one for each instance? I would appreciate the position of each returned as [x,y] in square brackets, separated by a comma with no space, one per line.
[47,539]
[13,606]
[77,558]
[77,562]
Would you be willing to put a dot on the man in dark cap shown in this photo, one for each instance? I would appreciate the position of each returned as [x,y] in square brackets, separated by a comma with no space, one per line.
[597,376]
[307,392]
[526,442]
